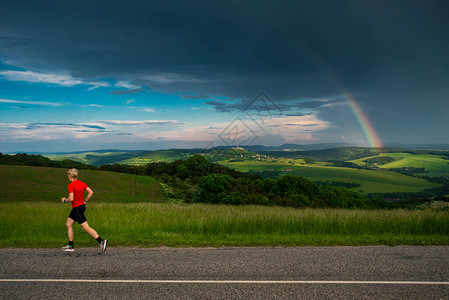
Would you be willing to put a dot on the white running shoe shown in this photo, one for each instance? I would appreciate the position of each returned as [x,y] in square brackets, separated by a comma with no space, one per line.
[103,245]
[68,248]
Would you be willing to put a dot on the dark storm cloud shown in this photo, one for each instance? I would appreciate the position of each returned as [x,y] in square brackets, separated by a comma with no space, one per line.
[233,48]
[8,42]
[297,114]
[288,109]
[226,107]
[302,125]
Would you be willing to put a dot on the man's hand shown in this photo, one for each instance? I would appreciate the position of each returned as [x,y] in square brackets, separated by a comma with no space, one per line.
[63,199]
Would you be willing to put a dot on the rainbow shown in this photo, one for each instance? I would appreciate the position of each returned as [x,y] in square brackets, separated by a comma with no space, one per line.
[371,135]
[368,130]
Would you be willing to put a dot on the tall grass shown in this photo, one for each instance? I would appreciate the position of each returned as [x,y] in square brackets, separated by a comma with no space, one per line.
[42,224]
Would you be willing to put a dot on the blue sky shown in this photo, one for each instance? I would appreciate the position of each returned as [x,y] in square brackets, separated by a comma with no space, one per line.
[45,110]
[153,75]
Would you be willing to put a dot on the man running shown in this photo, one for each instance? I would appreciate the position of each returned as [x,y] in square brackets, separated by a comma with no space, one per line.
[76,197]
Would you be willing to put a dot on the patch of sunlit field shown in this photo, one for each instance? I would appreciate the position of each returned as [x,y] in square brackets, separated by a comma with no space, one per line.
[42,224]
[371,181]
[85,157]
[435,165]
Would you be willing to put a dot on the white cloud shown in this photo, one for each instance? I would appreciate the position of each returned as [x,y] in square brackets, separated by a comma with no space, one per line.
[41,103]
[201,108]
[297,128]
[30,76]
[45,103]
[146,109]
[93,105]
[129,101]
[41,131]
[97,84]
[141,123]
[274,131]
[191,134]
[127,85]
[59,79]
[48,131]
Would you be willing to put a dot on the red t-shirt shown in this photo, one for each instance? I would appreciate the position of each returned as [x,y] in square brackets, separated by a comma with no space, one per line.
[77,188]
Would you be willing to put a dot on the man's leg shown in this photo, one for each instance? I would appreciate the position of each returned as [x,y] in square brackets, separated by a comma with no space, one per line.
[95,235]
[89,230]
[69,225]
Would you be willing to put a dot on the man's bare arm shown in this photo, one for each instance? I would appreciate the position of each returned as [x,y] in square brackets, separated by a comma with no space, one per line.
[89,194]
[69,199]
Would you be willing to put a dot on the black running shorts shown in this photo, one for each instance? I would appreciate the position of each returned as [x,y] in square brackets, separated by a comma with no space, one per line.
[77,214]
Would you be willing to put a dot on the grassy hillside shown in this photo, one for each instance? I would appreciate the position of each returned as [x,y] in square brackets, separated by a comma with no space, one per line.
[343,153]
[371,181]
[98,158]
[159,155]
[25,183]
[435,165]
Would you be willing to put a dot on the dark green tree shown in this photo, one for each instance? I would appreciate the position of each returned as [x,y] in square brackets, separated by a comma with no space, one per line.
[213,188]
[182,171]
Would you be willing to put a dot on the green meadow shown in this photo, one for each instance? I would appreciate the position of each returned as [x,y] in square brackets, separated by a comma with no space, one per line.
[98,158]
[85,157]
[25,183]
[156,156]
[435,165]
[371,181]
[42,224]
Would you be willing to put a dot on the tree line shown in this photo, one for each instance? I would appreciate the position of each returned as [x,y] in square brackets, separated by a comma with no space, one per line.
[41,161]
[196,180]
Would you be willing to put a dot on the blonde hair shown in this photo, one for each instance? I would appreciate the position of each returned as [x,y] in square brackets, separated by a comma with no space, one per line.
[73,173]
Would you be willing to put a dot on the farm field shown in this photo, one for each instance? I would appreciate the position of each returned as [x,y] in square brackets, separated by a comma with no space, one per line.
[371,181]
[26,183]
[435,165]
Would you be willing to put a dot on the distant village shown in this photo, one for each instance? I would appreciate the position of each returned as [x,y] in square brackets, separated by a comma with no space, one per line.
[241,153]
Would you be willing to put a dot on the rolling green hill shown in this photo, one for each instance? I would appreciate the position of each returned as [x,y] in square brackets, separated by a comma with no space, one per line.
[435,165]
[371,181]
[159,155]
[343,153]
[25,183]
[98,158]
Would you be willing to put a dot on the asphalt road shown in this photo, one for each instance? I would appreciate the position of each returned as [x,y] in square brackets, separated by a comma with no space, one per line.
[404,272]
